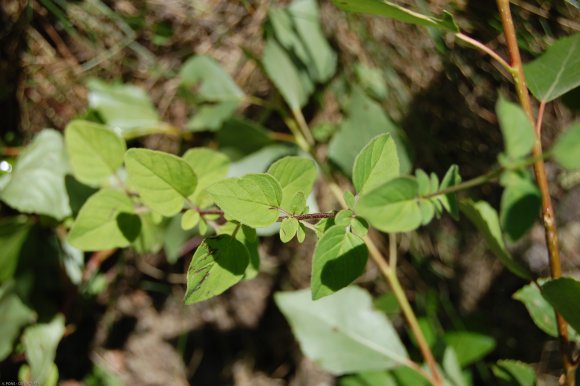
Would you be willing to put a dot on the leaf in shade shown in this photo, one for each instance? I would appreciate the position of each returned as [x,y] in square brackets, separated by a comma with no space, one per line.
[212,117]
[520,206]
[564,295]
[365,120]
[14,315]
[13,234]
[339,258]
[556,71]
[470,347]
[343,333]
[218,264]
[514,373]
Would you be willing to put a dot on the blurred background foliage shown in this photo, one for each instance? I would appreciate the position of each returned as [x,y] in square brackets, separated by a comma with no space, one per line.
[116,317]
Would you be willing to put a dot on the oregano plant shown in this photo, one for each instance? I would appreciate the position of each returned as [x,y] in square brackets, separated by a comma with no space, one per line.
[124,196]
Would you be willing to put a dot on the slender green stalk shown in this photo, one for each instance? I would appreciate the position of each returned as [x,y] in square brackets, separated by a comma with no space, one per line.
[549,220]
[485,49]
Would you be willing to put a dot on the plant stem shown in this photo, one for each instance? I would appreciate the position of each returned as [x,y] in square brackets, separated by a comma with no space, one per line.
[390,274]
[485,49]
[548,217]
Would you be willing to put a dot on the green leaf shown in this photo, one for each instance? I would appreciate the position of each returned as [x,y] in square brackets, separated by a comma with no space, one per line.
[349,199]
[514,373]
[190,219]
[295,174]
[452,368]
[298,204]
[163,180]
[394,11]
[212,117]
[321,61]
[241,137]
[564,295]
[372,80]
[151,233]
[392,207]
[40,343]
[290,80]
[13,234]
[210,167]
[249,238]
[174,239]
[218,264]
[485,219]
[449,201]
[516,127]
[376,164]
[100,222]
[556,71]
[520,206]
[567,148]
[343,333]
[371,378]
[343,217]
[406,376]
[301,233]
[123,107]
[365,120]
[541,312]
[470,347]
[288,229]
[339,258]
[94,150]
[359,226]
[36,184]
[14,315]
[252,200]
[216,84]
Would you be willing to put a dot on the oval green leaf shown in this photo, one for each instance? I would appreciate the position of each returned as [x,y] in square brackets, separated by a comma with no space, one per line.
[288,229]
[99,223]
[514,373]
[163,180]
[339,258]
[295,174]
[567,148]
[392,207]
[556,71]
[469,346]
[94,150]
[516,127]
[376,164]
[252,200]
[218,264]
[343,333]
[564,295]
